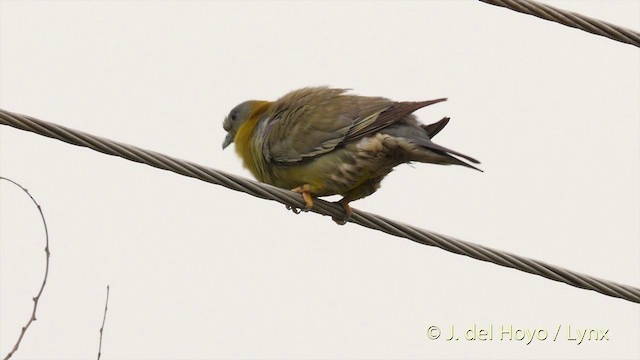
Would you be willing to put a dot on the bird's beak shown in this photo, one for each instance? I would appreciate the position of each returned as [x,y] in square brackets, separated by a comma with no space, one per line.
[228,139]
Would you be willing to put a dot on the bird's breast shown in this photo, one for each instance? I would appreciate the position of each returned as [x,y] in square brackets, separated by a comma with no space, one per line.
[249,148]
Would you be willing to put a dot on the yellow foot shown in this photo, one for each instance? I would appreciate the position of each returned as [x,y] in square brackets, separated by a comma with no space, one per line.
[347,212]
[305,190]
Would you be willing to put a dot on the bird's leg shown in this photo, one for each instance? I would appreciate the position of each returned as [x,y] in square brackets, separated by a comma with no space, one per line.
[365,189]
[347,211]
[305,190]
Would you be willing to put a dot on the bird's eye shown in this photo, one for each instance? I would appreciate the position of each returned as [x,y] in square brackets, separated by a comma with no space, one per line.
[234,116]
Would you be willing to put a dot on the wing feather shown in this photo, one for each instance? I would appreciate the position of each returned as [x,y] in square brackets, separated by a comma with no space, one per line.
[313,121]
[310,122]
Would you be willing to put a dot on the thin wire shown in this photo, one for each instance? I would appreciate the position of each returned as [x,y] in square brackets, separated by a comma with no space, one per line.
[571,19]
[322,207]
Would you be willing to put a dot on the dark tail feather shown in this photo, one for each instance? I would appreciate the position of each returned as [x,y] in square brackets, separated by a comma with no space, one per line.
[453,155]
[457,161]
[433,129]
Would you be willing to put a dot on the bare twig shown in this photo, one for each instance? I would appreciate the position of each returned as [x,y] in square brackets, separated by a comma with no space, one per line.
[103,320]
[46,271]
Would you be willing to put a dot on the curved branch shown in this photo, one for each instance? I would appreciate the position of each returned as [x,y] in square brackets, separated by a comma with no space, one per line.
[36,299]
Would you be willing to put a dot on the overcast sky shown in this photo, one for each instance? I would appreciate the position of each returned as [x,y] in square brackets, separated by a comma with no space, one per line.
[200,272]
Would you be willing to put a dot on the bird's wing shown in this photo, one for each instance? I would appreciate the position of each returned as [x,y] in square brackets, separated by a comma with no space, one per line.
[389,116]
[313,121]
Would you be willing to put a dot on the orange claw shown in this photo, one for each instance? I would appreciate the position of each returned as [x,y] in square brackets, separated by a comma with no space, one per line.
[305,190]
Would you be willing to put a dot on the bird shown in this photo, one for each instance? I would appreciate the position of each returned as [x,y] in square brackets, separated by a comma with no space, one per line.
[322,141]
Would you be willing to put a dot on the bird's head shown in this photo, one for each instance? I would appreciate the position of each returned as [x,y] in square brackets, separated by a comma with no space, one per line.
[239,116]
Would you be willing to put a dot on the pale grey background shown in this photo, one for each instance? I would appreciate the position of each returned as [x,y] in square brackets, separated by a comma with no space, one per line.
[198,271]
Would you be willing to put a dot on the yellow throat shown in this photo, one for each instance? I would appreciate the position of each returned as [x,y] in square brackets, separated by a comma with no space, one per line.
[247,146]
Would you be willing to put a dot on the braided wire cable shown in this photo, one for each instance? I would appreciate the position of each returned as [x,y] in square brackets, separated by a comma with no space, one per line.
[294,200]
[571,19]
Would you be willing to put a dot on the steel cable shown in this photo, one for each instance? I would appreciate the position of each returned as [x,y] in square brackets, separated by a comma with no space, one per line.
[571,19]
[295,200]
